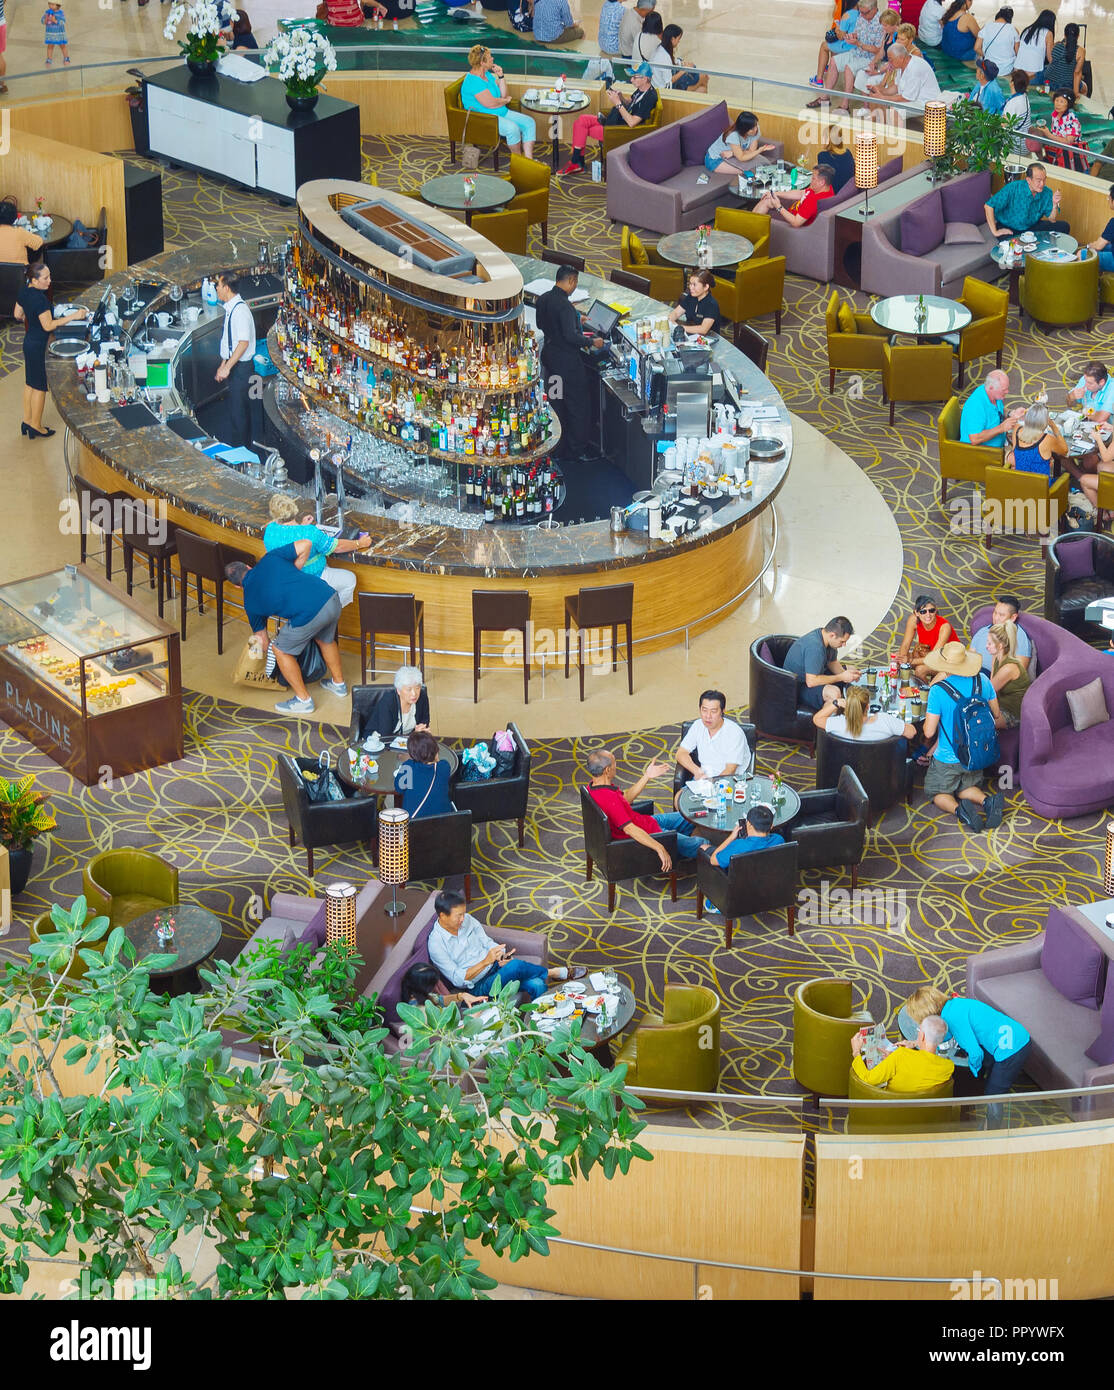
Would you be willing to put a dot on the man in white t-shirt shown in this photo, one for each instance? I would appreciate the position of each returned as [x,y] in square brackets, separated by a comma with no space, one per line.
[719,745]
[912,79]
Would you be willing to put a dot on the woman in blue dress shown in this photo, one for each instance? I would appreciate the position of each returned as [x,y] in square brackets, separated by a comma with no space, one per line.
[961,29]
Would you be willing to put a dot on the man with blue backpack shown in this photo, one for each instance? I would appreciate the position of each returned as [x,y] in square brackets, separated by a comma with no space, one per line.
[962,707]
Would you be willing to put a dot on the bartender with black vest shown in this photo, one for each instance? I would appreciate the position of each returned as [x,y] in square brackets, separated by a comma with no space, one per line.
[566,382]
[697,311]
[237,349]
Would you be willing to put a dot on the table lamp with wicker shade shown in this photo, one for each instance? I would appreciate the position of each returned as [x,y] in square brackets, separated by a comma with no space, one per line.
[340,916]
[394,854]
[1108,871]
[935,132]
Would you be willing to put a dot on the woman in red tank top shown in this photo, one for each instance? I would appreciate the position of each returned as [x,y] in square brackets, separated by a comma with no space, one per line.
[926,630]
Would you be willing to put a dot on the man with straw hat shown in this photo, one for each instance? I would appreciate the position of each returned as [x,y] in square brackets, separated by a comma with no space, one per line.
[953,787]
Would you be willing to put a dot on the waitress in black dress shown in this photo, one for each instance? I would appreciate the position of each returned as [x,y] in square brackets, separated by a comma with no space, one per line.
[697,311]
[33,307]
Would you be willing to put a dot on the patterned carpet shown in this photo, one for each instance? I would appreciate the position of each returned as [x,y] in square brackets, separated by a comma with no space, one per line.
[218,814]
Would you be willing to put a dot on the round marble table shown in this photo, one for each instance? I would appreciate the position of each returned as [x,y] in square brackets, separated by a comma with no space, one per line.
[901,314]
[574,104]
[1051,246]
[724,248]
[760,791]
[197,933]
[447,192]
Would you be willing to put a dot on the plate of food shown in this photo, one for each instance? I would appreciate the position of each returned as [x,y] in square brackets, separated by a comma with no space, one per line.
[398,743]
[908,692]
[555,1006]
[574,987]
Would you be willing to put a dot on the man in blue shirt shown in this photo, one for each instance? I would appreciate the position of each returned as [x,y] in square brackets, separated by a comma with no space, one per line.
[953,787]
[553,22]
[1006,609]
[275,587]
[611,17]
[983,419]
[1023,206]
[754,833]
[1095,391]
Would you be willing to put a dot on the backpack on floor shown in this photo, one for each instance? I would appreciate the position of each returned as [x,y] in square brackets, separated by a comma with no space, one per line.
[973,735]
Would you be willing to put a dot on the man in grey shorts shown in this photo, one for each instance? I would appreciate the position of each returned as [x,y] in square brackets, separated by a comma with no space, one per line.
[276,588]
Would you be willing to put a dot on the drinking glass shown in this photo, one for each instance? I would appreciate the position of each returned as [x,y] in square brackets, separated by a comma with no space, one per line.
[176,300]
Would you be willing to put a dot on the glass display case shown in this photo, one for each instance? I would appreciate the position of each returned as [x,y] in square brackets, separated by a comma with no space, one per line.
[87,676]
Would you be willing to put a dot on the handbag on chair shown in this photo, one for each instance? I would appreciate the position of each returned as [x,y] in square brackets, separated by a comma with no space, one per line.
[469,154]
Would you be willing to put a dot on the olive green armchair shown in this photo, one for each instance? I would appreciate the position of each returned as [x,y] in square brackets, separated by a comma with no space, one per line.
[915,373]
[1023,503]
[667,281]
[884,1119]
[507,229]
[959,462]
[478,128]
[531,179]
[823,1026]
[122,884]
[1106,292]
[1059,295]
[758,288]
[855,341]
[755,226]
[677,1050]
[43,925]
[986,333]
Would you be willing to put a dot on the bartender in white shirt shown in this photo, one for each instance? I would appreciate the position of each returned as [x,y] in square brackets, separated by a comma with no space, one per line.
[237,348]
[719,744]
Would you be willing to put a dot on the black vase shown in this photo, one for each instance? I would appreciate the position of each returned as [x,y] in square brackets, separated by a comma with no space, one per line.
[19,867]
[202,67]
[301,103]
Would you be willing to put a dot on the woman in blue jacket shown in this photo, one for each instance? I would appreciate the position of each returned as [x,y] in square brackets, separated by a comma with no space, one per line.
[996,1045]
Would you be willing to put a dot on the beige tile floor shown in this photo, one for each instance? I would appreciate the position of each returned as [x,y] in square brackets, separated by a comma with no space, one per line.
[831,522]
[775,38]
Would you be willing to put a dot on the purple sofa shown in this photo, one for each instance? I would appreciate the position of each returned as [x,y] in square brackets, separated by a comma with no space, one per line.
[930,245]
[652,180]
[1060,988]
[1062,773]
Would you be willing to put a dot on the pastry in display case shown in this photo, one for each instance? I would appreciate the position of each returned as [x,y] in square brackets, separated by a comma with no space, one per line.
[87,676]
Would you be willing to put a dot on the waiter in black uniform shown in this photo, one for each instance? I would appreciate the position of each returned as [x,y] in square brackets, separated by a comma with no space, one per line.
[566,381]
[237,349]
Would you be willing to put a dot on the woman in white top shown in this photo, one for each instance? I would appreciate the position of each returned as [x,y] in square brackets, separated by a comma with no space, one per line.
[997,42]
[1035,47]
[1018,106]
[854,721]
[648,49]
[930,30]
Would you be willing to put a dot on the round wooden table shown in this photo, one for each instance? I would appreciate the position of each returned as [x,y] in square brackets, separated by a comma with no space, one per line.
[760,791]
[388,759]
[724,248]
[197,933]
[447,192]
[59,232]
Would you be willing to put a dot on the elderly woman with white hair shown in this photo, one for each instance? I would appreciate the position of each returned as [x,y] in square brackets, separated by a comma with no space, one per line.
[285,528]
[402,710]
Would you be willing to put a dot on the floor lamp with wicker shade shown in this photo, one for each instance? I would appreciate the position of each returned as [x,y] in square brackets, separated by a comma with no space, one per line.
[394,854]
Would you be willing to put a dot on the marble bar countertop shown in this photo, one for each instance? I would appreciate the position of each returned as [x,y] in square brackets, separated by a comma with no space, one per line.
[157,462]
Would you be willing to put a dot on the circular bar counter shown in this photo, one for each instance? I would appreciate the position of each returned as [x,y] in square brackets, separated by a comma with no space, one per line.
[682,586]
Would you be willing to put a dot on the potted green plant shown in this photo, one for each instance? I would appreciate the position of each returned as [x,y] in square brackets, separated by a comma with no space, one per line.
[23,818]
[977,139]
[300,59]
[201,46]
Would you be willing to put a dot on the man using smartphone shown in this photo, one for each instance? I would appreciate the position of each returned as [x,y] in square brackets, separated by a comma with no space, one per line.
[469,959]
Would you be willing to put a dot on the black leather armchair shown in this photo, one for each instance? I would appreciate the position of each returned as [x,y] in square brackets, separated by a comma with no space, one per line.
[883,768]
[83,265]
[625,858]
[441,846]
[13,277]
[681,775]
[773,694]
[756,882]
[1093,578]
[500,798]
[365,703]
[831,826]
[317,824]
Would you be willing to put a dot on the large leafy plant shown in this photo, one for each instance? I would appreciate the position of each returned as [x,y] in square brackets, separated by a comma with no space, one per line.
[23,816]
[363,1174]
[978,139]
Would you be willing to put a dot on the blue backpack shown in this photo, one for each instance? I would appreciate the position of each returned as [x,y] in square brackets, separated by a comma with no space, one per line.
[973,735]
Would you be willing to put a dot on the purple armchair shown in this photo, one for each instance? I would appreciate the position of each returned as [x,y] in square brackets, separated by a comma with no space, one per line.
[933,243]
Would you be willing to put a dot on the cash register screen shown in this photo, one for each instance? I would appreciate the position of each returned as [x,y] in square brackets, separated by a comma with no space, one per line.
[601,318]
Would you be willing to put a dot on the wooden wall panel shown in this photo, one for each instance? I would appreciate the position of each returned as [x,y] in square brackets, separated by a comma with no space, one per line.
[730,1197]
[1037,1204]
[73,181]
[98,122]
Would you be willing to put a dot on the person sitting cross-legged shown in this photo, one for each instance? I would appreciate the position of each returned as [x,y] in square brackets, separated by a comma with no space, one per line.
[468,958]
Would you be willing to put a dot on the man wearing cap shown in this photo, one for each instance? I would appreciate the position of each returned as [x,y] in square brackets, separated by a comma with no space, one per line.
[953,787]
[629,111]
[986,92]
[631,25]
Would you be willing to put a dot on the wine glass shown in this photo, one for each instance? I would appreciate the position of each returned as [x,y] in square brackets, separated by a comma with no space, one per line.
[176,300]
[128,295]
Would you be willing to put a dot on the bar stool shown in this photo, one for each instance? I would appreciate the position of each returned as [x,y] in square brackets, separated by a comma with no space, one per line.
[93,503]
[207,560]
[391,614]
[555,257]
[500,610]
[139,530]
[611,605]
[751,344]
[630,281]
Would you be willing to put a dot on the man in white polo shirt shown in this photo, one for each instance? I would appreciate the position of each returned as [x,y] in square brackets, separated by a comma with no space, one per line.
[719,745]
[912,79]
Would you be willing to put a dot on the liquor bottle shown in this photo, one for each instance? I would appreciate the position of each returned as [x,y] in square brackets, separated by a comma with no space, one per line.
[489,506]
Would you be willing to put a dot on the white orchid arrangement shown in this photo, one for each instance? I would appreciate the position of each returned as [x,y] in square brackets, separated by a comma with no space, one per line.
[300,58]
[203,28]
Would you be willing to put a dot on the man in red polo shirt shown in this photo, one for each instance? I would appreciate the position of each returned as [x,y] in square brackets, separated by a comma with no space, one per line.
[804,206]
[629,824]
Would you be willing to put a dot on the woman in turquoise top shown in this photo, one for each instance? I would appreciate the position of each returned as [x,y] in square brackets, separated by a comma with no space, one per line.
[485,89]
[283,529]
[1037,440]
[961,29]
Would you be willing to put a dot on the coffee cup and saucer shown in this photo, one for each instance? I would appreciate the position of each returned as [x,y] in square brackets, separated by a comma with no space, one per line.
[373,744]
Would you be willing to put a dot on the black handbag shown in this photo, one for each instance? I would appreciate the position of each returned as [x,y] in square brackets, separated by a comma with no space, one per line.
[321,785]
[312,665]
